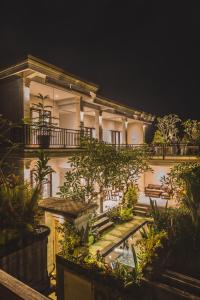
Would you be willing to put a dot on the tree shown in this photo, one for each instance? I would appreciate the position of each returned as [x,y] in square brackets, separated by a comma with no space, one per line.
[167,128]
[93,171]
[100,167]
[191,131]
[158,137]
[133,162]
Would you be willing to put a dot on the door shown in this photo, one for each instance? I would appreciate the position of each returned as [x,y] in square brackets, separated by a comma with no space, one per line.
[115,137]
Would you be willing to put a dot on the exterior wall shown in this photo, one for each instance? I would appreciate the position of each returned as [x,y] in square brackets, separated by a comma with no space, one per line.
[11,96]
[59,165]
[111,125]
[89,121]
[52,221]
[68,120]
[158,172]
[135,133]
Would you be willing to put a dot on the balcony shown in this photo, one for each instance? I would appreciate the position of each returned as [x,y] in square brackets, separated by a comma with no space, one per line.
[61,138]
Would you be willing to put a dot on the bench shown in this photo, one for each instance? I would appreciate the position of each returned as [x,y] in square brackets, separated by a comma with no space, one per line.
[157,191]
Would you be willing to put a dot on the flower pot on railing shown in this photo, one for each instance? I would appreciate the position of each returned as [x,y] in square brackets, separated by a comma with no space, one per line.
[44,140]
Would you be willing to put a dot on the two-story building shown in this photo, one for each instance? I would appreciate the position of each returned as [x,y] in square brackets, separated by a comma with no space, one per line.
[73,105]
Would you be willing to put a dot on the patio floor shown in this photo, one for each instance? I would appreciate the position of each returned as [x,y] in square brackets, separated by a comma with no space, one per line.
[108,204]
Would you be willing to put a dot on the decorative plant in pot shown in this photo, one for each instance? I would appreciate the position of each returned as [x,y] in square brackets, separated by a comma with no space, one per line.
[21,234]
[44,123]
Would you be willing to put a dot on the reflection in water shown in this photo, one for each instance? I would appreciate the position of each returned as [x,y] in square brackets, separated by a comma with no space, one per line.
[122,254]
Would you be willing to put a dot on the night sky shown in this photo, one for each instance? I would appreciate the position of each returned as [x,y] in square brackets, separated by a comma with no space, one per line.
[142,53]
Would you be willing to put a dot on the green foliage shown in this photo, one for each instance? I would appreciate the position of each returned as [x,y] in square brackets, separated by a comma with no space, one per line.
[19,202]
[6,144]
[101,167]
[167,127]
[96,165]
[120,214]
[158,138]
[183,243]
[131,197]
[152,241]
[184,179]
[191,131]
[133,162]
[71,239]
[44,121]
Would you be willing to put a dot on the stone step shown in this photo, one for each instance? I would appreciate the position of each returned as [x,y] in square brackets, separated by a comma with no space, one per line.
[141,207]
[181,281]
[102,215]
[100,222]
[140,213]
[105,227]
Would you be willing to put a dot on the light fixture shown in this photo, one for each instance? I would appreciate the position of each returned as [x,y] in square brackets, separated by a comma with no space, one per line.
[81,115]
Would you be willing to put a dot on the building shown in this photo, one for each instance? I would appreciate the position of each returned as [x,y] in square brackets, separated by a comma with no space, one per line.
[74,107]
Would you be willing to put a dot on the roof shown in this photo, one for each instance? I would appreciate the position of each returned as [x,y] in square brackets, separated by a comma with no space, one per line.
[39,65]
[67,208]
[60,76]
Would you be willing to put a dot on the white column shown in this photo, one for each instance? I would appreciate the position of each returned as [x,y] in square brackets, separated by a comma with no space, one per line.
[77,121]
[124,130]
[97,124]
[26,99]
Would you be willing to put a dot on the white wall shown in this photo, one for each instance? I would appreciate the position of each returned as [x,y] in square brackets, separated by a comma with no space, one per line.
[158,173]
[68,120]
[89,121]
[111,125]
[59,165]
[135,133]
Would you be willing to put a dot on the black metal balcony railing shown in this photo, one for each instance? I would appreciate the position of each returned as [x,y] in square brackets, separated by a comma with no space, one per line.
[164,150]
[30,137]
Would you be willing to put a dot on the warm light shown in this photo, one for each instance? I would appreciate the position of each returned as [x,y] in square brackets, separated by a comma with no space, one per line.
[82,115]
[100,120]
[56,96]
[126,124]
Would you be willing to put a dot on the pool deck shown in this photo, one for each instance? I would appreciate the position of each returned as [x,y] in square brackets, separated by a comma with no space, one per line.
[116,234]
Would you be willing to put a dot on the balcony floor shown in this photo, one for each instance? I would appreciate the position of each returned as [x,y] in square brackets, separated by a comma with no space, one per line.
[108,204]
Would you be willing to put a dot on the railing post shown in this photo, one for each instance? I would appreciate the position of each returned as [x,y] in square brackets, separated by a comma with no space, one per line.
[163,151]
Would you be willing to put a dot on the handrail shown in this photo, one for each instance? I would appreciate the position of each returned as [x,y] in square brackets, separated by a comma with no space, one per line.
[30,135]
[11,289]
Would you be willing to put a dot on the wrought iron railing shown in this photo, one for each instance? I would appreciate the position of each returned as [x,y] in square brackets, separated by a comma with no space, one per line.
[31,136]
[167,150]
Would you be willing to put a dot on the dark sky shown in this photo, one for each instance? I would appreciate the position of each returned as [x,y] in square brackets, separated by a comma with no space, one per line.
[143,53]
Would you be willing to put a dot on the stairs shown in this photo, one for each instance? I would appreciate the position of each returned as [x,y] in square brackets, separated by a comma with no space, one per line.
[187,285]
[141,210]
[103,223]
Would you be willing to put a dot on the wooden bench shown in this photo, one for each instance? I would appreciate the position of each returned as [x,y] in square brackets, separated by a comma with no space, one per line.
[157,191]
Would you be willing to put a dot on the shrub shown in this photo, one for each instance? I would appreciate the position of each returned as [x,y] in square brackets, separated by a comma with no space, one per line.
[19,201]
[120,214]
[131,197]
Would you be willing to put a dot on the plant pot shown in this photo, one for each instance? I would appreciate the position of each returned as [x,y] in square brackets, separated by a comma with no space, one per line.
[44,140]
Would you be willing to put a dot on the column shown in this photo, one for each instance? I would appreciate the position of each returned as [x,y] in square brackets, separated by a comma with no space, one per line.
[144,132]
[124,130]
[100,126]
[26,98]
[97,124]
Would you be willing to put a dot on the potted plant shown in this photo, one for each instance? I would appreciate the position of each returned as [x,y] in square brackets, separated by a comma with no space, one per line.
[43,124]
[23,241]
